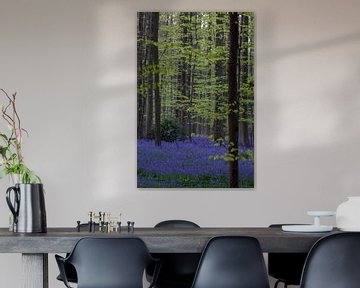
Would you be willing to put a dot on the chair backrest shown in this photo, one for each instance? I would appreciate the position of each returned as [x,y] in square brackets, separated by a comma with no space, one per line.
[232,262]
[333,262]
[178,269]
[176,224]
[110,262]
[287,267]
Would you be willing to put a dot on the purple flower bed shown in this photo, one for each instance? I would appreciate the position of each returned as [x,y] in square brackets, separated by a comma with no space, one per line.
[186,164]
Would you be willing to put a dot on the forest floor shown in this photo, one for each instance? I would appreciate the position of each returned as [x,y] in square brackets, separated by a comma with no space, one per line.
[187,164]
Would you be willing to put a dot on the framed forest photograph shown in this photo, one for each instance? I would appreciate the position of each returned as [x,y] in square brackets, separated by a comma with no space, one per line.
[195,99]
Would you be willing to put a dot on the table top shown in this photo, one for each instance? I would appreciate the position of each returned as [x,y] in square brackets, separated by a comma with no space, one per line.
[158,240]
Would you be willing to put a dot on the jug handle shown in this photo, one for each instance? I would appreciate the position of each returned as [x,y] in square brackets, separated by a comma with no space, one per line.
[13,208]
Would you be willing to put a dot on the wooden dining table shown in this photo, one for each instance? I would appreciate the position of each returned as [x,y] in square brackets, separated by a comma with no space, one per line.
[35,247]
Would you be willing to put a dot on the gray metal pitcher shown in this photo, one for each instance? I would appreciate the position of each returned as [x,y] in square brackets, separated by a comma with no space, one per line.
[28,207]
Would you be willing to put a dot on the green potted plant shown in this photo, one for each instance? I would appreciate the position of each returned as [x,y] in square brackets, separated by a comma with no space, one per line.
[11,158]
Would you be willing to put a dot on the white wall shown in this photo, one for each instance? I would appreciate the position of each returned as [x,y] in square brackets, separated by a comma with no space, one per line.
[73,64]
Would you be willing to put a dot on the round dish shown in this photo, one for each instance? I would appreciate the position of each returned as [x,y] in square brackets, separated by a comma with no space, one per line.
[306,228]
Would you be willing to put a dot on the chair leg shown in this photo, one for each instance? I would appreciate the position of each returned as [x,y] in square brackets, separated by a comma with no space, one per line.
[278,282]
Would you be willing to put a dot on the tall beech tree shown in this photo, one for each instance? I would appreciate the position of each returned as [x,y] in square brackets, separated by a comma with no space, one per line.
[155,54]
[219,76]
[152,110]
[246,81]
[233,116]
[140,78]
[149,66]
[243,78]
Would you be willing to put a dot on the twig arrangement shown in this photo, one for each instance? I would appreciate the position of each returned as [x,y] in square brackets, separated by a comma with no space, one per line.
[12,159]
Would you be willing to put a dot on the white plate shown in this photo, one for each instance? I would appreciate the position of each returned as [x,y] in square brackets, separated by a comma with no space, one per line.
[306,228]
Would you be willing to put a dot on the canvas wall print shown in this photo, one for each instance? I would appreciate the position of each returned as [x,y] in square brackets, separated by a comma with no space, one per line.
[195,100]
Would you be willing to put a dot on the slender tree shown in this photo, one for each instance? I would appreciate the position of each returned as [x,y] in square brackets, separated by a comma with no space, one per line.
[233,101]
[155,55]
[220,76]
[140,78]
[149,106]
[244,77]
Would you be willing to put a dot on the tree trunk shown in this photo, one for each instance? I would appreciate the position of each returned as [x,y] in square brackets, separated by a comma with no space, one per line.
[244,69]
[233,102]
[140,57]
[149,82]
[155,51]
[219,76]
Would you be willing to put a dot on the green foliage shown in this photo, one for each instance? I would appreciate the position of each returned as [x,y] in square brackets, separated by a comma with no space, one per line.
[26,175]
[189,181]
[186,181]
[192,46]
[171,131]
[235,154]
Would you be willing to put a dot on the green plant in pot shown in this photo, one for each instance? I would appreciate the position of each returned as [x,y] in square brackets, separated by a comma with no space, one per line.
[26,198]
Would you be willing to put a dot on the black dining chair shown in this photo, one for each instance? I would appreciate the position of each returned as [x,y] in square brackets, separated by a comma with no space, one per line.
[232,262]
[333,262]
[69,269]
[108,263]
[285,267]
[178,269]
